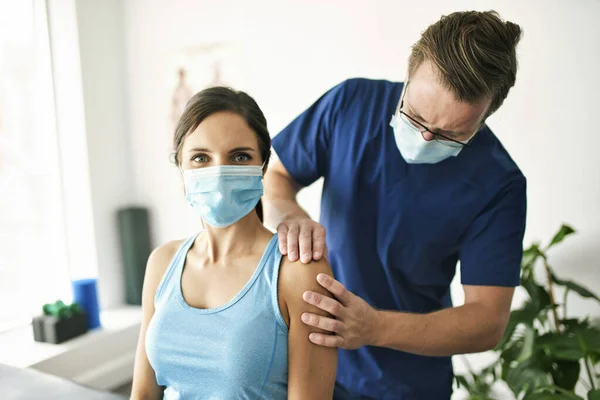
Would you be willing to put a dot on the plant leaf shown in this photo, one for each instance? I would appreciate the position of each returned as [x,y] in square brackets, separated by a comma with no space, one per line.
[589,340]
[594,394]
[525,315]
[530,255]
[479,388]
[550,396]
[566,373]
[527,376]
[516,317]
[580,290]
[462,381]
[587,335]
[552,393]
[561,346]
[513,350]
[482,388]
[563,232]
[540,299]
[528,342]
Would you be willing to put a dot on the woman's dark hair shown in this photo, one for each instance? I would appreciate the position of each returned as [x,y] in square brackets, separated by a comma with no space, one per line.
[217,99]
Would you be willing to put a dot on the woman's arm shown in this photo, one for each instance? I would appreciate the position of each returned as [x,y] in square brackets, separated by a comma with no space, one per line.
[311,368]
[144,379]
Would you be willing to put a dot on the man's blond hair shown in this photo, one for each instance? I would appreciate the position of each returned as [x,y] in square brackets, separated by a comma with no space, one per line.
[474,54]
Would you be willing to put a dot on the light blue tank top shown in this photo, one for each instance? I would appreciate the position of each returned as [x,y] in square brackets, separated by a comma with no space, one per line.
[235,351]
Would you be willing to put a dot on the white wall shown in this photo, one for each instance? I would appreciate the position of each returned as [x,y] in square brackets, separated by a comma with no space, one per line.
[101,33]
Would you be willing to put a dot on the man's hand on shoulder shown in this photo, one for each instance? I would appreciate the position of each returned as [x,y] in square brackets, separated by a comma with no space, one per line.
[302,238]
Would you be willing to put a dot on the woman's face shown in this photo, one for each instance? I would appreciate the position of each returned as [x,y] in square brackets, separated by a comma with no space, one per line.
[224,138]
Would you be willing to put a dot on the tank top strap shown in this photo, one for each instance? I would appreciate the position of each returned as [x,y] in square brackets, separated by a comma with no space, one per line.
[271,273]
[169,283]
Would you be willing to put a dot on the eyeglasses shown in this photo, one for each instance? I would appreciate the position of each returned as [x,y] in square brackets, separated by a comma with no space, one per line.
[438,137]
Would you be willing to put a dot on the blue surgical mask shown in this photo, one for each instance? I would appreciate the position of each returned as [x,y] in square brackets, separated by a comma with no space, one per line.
[224,194]
[415,149]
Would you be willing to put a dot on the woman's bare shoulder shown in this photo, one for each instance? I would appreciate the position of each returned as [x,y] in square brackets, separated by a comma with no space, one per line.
[160,258]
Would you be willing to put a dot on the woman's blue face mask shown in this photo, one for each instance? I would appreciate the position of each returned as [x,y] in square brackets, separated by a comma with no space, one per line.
[224,194]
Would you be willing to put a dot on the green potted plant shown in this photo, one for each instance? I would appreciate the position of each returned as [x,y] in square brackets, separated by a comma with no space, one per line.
[59,322]
[544,352]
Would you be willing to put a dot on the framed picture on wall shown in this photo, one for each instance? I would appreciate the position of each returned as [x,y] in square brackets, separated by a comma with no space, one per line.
[196,68]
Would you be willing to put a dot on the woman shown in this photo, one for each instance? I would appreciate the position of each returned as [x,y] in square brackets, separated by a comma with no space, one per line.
[221,310]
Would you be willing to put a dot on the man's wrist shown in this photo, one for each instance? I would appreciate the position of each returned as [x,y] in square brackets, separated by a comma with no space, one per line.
[378,329]
[296,215]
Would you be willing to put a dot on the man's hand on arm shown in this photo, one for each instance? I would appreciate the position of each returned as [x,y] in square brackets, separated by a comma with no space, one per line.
[476,326]
[355,324]
[299,236]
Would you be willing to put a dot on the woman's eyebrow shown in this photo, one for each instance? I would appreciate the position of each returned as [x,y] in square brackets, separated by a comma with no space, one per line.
[234,150]
[237,149]
[202,149]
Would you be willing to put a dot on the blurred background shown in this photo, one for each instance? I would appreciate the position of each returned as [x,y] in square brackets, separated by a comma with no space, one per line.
[89,91]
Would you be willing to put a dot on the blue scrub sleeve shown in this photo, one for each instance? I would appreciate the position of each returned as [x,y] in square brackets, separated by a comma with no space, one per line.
[303,146]
[492,249]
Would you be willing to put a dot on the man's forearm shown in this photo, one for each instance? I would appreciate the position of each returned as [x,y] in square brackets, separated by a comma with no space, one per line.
[279,201]
[465,329]
[279,210]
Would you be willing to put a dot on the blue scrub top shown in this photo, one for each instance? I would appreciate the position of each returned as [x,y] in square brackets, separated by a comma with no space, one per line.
[395,231]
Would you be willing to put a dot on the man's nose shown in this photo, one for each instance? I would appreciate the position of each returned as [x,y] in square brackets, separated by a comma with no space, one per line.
[428,136]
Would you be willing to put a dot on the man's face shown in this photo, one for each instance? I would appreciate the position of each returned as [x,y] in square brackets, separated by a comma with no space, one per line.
[427,101]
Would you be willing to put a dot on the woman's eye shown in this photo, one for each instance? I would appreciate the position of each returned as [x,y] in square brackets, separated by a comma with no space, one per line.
[200,159]
[241,158]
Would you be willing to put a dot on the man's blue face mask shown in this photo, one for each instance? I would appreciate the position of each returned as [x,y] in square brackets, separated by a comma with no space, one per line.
[224,194]
[414,148]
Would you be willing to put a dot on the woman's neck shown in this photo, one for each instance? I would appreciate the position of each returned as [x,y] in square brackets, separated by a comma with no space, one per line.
[219,244]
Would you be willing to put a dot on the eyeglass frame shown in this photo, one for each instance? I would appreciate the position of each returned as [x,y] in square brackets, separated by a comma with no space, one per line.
[436,135]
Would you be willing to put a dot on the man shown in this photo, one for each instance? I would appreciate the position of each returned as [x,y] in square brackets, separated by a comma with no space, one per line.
[414,182]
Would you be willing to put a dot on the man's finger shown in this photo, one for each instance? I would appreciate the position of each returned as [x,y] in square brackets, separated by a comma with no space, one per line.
[318,242]
[334,287]
[325,303]
[282,232]
[292,241]
[325,253]
[318,321]
[326,340]
[305,239]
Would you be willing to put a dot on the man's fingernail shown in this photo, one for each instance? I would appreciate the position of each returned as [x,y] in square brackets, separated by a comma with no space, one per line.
[306,257]
[305,318]
[284,249]
[317,254]
[322,278]
[308,296]
[293,253]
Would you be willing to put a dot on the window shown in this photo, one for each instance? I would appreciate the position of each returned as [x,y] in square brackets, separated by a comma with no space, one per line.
[33,243]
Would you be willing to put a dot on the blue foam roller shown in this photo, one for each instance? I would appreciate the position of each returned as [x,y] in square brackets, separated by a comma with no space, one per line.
[85,294]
